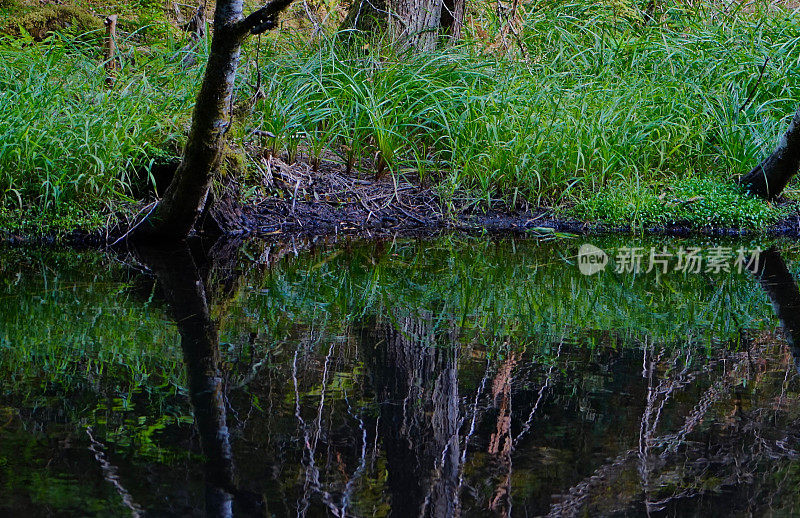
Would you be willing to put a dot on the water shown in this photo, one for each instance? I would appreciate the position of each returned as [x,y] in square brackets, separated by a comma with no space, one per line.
[459,376]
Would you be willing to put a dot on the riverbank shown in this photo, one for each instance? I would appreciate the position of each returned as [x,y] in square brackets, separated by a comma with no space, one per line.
[298,202]
[609,125]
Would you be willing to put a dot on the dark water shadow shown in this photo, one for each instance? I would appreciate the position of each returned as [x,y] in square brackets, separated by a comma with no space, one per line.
[424,424]
[781,288]
[186,280]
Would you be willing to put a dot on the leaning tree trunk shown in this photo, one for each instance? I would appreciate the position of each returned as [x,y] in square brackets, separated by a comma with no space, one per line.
[768,179]
[185,198]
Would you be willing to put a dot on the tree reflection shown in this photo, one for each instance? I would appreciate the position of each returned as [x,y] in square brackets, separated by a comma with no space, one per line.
[781,287]
[423,429]
[416,383]
[184,282]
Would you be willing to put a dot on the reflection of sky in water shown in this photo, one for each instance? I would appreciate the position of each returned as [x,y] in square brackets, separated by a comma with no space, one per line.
[450,377]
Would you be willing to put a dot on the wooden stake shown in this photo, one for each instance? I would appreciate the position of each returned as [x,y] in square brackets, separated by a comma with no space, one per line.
[110,48]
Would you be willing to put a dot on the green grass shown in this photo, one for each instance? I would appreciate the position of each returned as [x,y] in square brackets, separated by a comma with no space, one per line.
[71,148]
[601,108]
[608,114]
[692,202]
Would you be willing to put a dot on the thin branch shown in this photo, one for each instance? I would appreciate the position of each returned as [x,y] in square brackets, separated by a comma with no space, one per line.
[152,207]
[755,87]
[111,475]
[263,19]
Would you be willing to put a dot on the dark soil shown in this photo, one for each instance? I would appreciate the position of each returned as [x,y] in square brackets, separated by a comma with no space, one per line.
[301,201]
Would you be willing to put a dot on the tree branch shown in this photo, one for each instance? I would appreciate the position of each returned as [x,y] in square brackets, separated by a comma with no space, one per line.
[263,19]
[755,87]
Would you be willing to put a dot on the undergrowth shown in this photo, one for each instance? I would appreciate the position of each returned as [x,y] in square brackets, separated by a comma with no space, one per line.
[610,118]
[601,108]
[69,144]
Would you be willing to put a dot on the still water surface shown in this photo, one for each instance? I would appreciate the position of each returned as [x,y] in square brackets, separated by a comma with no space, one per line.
[453,377]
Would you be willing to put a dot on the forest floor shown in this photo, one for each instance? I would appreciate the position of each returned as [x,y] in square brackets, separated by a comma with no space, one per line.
[300,201]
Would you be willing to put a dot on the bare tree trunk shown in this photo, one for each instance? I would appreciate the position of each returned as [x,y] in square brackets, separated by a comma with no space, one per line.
[414,24]
[185,198]
[110,48]
[367,16]
[768,179]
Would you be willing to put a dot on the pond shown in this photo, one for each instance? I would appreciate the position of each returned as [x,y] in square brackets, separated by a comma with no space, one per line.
[455,376]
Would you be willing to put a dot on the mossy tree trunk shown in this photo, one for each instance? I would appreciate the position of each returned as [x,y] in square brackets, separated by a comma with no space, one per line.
[768,179]
[185,198]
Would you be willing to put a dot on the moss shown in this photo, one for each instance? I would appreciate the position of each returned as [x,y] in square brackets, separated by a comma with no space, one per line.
[32,222]
[693,202]
[233,163]
[41,21]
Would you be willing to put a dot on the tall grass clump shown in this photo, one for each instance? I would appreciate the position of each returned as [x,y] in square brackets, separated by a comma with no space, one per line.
[69,143]
[603,103]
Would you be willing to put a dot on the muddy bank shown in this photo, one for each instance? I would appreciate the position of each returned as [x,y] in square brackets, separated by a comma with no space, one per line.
[319,218]
[329,201]
[296,200]
[281,219]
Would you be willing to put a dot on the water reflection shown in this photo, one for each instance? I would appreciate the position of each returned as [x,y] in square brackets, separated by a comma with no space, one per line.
[416,383]
[385,381]
[781,287]
[184,290]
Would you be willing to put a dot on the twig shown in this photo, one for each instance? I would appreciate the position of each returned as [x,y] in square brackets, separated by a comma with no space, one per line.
[152,206]
[294,196]
[312,19]
[755,87]
[404,211]
[111,474]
